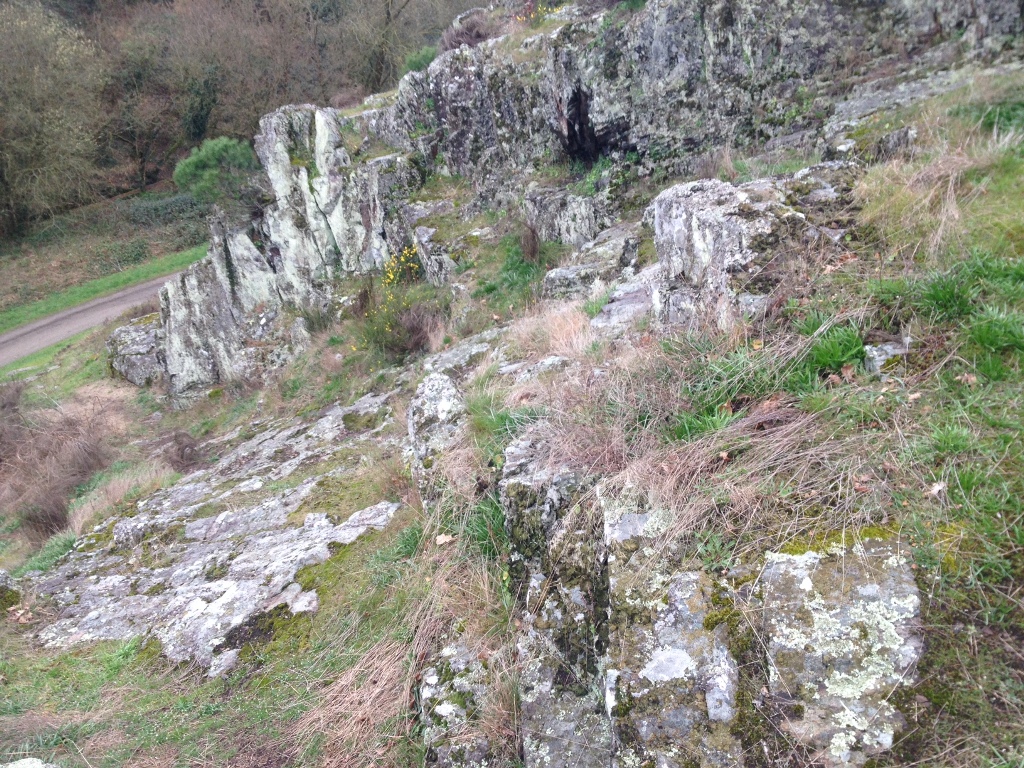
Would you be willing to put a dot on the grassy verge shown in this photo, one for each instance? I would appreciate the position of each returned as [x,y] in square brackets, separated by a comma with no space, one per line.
[103,286]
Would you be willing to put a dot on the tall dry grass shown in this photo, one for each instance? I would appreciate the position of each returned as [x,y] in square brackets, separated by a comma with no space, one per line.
[45,455]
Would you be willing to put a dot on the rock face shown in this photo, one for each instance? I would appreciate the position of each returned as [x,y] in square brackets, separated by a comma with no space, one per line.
[723,248]
[842,637]
[664,84]
[628,659]
[204,559]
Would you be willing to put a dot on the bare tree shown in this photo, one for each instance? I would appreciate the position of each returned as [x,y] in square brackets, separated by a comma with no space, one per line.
[50,111]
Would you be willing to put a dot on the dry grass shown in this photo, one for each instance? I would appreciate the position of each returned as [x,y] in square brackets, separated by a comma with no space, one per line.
[356,709]
[45,454]
[551,329]
[770,473]
[916,202]
[138,481]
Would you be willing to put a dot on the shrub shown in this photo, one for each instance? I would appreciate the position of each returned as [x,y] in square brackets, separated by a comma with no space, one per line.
[420,60]
[529,243]
[400,318]
[118,257]
[216,170]
[183,452]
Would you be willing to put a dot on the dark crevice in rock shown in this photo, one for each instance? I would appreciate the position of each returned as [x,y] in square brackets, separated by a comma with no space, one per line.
[579,138]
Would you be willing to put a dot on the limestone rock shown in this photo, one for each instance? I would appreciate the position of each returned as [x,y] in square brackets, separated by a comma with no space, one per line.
[435,414]
[10,592]
[842,636]
[705,232]
[595,266]
[452,695]
[133,351]
[29,762]
[198,561]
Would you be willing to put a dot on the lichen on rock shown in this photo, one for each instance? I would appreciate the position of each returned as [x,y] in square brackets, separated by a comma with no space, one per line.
[842,636]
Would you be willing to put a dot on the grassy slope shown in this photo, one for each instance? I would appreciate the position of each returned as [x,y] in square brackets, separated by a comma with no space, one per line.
[938,444]
[93,289]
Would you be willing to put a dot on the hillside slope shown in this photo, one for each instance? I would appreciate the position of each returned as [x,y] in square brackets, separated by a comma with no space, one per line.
[643,389]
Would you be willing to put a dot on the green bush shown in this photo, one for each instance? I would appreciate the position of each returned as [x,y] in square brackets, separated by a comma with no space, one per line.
[420,60]
[216,170]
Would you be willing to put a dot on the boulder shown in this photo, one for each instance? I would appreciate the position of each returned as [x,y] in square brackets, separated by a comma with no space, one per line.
[706,232]
[134,351]
[435,415]
[595,266]
[842,630]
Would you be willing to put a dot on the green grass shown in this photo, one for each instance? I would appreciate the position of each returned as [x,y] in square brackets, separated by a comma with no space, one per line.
[103,286]
[53,550]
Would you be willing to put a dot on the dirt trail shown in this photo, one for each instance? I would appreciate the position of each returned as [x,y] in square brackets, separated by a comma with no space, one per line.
[40,334]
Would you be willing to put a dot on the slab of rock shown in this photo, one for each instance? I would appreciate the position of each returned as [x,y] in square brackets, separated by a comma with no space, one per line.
[565,217]
[671,680]
[200,559]
[595,266]
[133,351]
[464,355]
[671,683]
[630,302]
[29,762]
[564,722]
[842,635]
[436,412]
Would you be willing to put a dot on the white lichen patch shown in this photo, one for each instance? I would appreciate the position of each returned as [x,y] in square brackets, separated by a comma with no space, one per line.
[842,636]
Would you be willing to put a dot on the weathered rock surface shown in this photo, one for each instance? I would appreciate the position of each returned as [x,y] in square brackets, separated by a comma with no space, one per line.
[10,592]
[671,682]
[220,547]
[842,631]
[595,265]
[134,351]
[29,762]
[435,414]
[667,84]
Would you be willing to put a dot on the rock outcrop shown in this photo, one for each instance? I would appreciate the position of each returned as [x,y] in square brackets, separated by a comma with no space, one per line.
[134,351]
[200,562]
[664,85]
